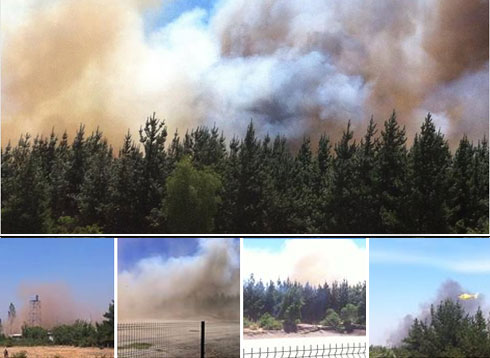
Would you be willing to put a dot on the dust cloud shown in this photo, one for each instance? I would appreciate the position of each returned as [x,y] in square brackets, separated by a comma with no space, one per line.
[203,286]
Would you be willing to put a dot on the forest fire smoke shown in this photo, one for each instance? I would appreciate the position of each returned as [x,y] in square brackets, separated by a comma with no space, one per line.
[448,290]
[294,67]
[58,306]
[313,261]
[203,286]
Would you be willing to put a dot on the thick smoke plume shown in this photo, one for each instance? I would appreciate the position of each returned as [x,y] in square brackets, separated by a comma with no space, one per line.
[58,306]
[448,290]
[203,286]
[314,260]
[295,67]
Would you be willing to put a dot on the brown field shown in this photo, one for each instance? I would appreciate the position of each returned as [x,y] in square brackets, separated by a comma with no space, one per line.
[61,352]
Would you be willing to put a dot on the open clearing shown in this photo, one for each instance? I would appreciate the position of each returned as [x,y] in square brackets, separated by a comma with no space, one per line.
[304,331]
[62,352]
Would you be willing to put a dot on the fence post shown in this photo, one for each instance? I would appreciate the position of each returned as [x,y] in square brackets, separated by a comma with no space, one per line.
[202,338]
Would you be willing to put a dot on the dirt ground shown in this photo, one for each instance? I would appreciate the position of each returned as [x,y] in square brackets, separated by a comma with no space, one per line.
[61,352]
[307,331]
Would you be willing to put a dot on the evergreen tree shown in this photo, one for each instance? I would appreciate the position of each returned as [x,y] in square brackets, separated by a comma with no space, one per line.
[429,164]
[391,177]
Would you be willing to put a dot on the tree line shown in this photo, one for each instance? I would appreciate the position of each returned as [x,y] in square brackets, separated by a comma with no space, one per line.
[448,332]
[202,183]
[79,334]
[284,304]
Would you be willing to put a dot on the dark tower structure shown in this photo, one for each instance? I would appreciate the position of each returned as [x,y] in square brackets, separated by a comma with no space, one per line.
[34,319]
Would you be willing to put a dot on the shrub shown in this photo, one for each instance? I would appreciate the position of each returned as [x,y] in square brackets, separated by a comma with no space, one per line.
[270,323]
[348,314]
[332,319]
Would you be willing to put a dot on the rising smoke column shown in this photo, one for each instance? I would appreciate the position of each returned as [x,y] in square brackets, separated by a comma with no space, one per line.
[448,290]
[295,67]
[206,285]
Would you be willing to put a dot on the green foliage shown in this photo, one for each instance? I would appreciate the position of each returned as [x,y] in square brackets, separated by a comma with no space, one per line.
[246,322]
[269,323]
[80,334]
[348,314]
[34,333]
[332,319]
[192,198]
[292,303]
[199,183]
[21,354]
[105,330]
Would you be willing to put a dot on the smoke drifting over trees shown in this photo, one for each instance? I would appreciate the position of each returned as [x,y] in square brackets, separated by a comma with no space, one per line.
[203,286]
[199,184]
[294,67]
[449,290]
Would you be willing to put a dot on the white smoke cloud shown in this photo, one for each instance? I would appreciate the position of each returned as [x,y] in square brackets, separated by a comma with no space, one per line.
[307,260]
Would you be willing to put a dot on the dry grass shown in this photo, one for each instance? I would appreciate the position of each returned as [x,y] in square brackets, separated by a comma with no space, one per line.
[62,352]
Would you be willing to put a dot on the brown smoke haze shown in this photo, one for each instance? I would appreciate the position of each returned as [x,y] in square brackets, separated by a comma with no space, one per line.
[448,290]
[58,306]
[294,67]
[203,286]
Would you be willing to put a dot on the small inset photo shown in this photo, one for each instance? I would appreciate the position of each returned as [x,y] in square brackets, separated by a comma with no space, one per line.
[178,297]
[429,297]
[56,297]
[304,297]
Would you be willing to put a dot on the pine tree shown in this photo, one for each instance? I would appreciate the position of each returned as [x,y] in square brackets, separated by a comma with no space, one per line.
[429,164]
[344,197]
[391,177]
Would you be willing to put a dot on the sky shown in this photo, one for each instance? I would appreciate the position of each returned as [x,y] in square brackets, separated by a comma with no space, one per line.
[132,250]
[295,67]
[84,265]
[405,273]
[305,260]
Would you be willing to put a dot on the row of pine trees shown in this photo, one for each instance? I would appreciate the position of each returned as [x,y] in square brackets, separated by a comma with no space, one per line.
[202,183]
[448,332]
[306,303]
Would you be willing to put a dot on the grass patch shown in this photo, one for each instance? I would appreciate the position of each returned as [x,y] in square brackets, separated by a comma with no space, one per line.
[136,346]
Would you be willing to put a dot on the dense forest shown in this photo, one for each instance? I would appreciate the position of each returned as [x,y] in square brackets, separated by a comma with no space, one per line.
[448,332]
[284,304]
[79,334]
[202,183]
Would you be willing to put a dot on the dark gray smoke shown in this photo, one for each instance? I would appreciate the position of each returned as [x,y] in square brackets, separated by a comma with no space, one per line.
[448,290]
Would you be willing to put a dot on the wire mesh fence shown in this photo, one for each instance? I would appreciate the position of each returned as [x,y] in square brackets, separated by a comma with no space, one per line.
[178,340]
[159,339]
[354,350]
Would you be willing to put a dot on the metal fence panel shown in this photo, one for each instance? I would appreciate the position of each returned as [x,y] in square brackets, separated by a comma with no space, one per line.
[178,339]
[159,339]
[319,351]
